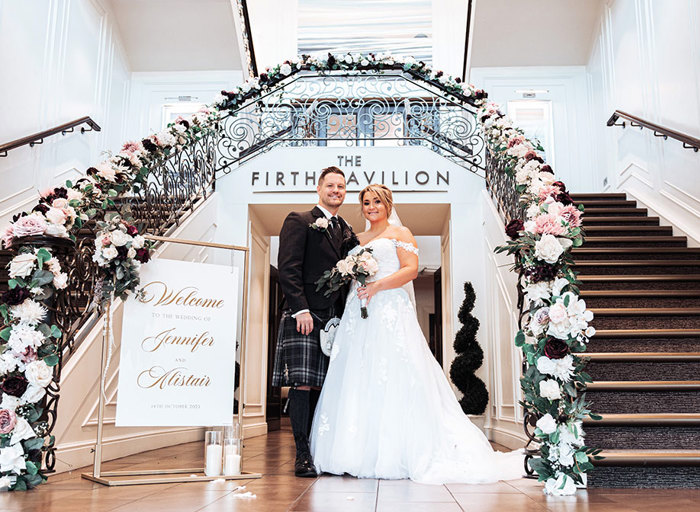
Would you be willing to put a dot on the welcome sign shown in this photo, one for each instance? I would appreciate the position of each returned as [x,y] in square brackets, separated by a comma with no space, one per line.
[178,347]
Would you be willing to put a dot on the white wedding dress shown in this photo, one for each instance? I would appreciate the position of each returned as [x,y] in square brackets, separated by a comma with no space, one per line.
[386,409]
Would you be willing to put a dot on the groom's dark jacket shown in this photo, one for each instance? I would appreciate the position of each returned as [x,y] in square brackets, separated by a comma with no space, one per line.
[305,254]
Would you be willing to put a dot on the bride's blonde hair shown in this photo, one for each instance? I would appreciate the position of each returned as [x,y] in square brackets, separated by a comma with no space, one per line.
[383,194]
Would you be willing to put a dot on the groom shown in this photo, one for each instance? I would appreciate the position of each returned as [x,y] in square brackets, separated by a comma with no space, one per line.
[310,243]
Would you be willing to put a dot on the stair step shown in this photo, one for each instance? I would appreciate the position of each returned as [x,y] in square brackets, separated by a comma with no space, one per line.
[643,435]
[655,253]
[641,298]
[645,311]
[645,340]
[607,203]
[646,318]
[637,241]
[643,356]
[640,281]
[690,418]
[641,369]
[624,230]
[623,267]
[597,212]
[648,333]
[645,385]
[595,195]
[650,476]
[649,457]
[619,220]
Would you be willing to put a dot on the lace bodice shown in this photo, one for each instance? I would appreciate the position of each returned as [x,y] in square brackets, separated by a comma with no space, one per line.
[385,252]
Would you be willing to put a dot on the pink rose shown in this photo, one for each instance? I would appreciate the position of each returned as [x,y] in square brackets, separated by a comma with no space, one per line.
[132,147]
[60,203]
[7,236]
[515,141]
[30,225]
[548,191]
[549,224]
[106,240]
[8,420]
[28,355]
[572,215]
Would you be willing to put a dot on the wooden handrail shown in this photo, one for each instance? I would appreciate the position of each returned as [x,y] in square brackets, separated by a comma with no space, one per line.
[38,138]
[660,131]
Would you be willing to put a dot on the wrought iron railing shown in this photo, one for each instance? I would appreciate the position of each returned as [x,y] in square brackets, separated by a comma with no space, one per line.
[501,187]
[353,109]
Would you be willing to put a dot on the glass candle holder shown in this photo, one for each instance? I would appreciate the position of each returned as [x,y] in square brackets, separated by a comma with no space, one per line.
[232,456]
[212,453]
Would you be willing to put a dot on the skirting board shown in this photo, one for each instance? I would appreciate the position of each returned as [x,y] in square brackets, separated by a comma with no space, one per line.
[506,438]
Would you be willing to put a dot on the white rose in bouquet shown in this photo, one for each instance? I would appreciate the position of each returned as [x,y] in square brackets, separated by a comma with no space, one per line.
[54,266]
[559,285]
[131,253]
[548,248]
[8,363]
[38,373]
[535,293]
[12,457]
[56,216]
[74,195]
[344,267]
[22,337]
[109,253]
[546,365]
[562,485]
[106,170]
[60,281]
[138,242]
[566,455]
[23,430]
[32,395]
[58,230]
[285,69]
[9,402]
[547,424]
[119,238]
[550,389]
[22,265]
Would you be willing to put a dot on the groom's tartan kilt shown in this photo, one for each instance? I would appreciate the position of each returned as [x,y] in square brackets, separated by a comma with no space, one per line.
[298,358]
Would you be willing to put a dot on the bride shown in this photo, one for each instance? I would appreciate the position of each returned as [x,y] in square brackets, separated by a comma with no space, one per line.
[386,409]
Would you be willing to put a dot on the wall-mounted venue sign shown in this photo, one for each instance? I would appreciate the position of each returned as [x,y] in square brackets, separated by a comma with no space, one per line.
[299,169]
[178,347]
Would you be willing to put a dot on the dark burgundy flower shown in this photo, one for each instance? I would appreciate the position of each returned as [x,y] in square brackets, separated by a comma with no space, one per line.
[263,77]
[14,385]
[185,123]
[142,255]
[91,171]
[132,230]
[18,216]
[15,296]
[546,168]
[61,192]
[480,94]
[122,252]
[542,272]
[439,74]
[560,185]
[513,227]
[459,81]
[40,208]
[564,198]
[149,145]
[555,348]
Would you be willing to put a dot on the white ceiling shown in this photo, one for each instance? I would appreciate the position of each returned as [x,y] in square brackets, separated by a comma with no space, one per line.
[534,32]
[178,35]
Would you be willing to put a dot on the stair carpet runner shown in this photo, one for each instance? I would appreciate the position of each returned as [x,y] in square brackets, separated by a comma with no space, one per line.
[643,285]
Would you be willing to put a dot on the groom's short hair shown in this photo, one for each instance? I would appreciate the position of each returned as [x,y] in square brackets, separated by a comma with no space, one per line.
[330,170]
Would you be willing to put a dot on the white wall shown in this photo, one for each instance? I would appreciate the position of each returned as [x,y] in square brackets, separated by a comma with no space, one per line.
[646,61]
[567,89]
[61,60]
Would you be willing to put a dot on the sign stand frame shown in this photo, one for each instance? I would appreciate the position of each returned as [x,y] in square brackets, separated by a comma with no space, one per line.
[167,476]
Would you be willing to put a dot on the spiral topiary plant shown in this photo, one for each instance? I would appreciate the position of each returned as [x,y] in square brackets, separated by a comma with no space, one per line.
[469,358]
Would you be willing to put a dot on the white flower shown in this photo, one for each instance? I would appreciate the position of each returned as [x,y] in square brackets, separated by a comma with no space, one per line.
[550,389]
[109,253]
[32,395]
[566,454]
[36,290]
[547,424]
[29,312]
[138,242]
[548,248]
[6,482]
[245,88]
[364,62]
[558,312]
[22,337]
[348,59]
[56,216]
[106,170]
[58,230]
[371,266]
[562,485]
[539,320]
[74,195]
[12,458]
[559,285]
[9,402]
[564,369]
[120,238]
[590,331]
[285,69]
[572,434]
[538,291]
[54,266]
[131,253]
[23,430]
[343,267]
[8,363]
[22,265]
[165,138]
[546,365]
[530,226]
[60,281]
[38,373]
[321,223]
[533,211]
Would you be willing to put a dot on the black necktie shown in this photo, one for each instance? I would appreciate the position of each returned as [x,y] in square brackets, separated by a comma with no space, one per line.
[335,229]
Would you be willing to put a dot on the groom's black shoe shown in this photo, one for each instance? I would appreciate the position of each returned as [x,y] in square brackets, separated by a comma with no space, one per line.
[304,466]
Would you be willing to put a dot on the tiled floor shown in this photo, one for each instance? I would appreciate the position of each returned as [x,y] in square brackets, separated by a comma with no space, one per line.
[279,490]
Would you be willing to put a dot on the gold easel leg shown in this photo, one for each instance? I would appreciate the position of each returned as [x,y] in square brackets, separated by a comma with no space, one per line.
[244,321]
[97,464]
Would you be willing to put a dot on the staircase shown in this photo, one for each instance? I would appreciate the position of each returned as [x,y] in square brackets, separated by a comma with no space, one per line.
[643,285]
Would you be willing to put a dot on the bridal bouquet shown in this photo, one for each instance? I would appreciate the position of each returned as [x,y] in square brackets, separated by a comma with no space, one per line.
[356,267]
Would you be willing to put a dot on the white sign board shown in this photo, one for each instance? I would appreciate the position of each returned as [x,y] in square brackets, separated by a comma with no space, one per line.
[178,347]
